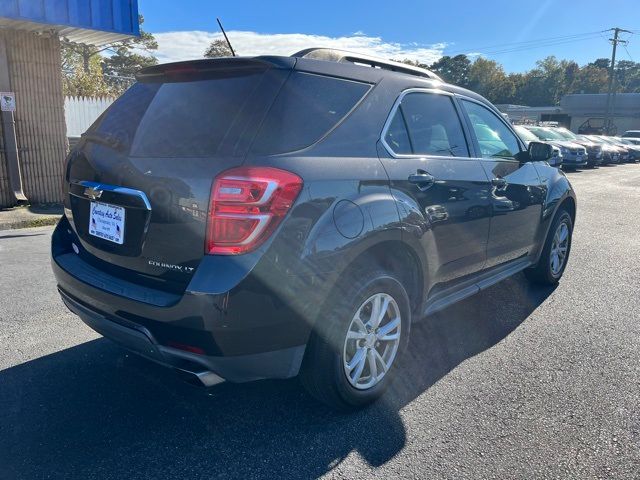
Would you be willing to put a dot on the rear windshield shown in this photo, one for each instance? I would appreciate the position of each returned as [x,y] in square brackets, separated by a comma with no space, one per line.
[194,118]
[178,119]
[307,107]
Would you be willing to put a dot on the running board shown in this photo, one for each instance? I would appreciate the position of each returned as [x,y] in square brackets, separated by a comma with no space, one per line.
[482,282]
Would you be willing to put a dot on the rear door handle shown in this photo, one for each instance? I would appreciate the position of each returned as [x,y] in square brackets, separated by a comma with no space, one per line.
[499,182]
[422,179]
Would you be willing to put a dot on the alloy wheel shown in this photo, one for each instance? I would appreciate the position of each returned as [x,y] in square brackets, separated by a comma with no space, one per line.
[372,341]
[559,249]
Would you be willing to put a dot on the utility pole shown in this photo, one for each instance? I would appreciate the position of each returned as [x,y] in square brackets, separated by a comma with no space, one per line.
[611,95]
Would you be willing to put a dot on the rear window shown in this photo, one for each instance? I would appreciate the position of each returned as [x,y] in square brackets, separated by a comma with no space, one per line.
[307,107]
[178,119]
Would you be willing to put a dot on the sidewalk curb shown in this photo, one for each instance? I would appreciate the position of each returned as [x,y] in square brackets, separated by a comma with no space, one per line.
[33,222]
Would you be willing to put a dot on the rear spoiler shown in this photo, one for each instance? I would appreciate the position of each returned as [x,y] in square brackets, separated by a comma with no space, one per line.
[211,65]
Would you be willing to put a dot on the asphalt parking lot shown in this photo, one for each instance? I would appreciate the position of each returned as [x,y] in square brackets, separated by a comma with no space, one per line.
[517,382]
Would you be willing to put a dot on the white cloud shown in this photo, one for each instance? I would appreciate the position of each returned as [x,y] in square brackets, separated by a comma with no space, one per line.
[186,45]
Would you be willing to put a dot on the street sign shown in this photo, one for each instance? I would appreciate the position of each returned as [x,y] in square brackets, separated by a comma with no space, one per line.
[7,101]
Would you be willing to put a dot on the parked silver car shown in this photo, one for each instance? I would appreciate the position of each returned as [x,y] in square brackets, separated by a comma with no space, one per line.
[527,137]
[574,155]
[610,153]
[594,150]
[632,136]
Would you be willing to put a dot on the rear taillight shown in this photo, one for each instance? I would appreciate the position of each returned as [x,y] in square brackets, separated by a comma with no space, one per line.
[247,204]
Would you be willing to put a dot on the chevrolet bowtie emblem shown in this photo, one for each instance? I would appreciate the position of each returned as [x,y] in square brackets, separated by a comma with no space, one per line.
[93,193]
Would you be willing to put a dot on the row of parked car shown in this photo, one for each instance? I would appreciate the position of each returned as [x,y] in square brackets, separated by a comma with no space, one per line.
[573,151]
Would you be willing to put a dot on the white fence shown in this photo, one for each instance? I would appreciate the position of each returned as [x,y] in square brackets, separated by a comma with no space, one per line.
[81,112]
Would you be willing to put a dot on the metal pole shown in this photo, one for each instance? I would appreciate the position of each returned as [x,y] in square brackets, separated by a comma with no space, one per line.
[12,156]
[225,37]
[608,113]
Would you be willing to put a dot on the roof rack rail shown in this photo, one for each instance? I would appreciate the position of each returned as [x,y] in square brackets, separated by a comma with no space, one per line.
[342,56]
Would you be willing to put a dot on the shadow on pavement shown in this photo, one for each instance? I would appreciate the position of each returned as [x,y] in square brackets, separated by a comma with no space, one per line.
[94,411]
[22,235]
[47,209]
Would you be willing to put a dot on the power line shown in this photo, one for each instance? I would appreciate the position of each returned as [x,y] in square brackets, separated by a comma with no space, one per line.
[527,42]
[538,45]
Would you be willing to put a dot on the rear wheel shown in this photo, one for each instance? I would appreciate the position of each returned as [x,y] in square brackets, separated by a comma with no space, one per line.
[555,253]
[353,354]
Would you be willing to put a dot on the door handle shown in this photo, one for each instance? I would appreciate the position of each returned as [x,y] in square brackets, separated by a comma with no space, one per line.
[422,179]
[499,182]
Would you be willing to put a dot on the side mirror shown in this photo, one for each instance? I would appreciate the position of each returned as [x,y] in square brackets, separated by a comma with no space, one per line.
[540,152]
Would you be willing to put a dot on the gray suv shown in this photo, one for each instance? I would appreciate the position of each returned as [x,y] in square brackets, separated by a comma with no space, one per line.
[263,217]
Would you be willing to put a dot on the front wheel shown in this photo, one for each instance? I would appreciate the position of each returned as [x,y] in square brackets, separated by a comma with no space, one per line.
[353,353]
[555,252]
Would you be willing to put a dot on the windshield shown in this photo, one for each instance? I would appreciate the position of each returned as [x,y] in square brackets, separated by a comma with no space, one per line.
[599,140]
[566,134]
[525,134]
[546,134]
[608,140]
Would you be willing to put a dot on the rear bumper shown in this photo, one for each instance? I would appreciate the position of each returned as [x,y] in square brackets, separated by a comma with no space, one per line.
[276,364]
[243,334]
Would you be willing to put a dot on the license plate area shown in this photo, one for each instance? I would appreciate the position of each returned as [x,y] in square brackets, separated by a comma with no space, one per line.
[136,219]
[107,222]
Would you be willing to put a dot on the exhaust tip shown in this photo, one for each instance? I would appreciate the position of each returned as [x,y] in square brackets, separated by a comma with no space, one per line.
[204,378]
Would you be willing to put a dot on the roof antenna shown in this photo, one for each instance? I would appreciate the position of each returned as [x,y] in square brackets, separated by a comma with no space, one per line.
[225,37]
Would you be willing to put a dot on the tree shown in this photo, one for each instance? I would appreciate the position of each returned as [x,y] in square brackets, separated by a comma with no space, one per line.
[548,82]
[454,70]
[517,81]
[543,85]
[487,77]
[218,48]
[600,63]
[591,79]
[83,64]
[628,76]
[85,80]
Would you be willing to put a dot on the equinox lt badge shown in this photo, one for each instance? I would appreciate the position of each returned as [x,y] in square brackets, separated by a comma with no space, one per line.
[170,266]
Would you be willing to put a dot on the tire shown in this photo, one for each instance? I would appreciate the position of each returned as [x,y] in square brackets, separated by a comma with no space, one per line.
[544,272]
[324,370]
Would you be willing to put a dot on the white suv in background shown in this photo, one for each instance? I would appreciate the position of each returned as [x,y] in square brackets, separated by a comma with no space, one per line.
[632,136]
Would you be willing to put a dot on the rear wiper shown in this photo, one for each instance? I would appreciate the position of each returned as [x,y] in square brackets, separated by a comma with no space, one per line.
[106,140]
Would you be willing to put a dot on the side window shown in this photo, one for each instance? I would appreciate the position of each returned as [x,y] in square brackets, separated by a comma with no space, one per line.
[426,124]
[494,138]
[397,137]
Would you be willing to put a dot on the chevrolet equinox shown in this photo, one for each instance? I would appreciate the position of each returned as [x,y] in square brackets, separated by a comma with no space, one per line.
[249,218]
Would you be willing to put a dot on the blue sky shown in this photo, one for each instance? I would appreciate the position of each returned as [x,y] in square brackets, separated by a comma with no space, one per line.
[503,30]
